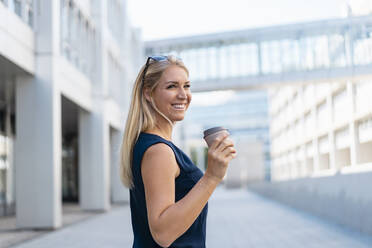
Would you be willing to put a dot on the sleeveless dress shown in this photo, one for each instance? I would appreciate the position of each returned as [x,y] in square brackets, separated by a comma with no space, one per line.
[194,237]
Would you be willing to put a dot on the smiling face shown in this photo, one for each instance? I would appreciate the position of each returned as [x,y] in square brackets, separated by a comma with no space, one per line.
[172,95]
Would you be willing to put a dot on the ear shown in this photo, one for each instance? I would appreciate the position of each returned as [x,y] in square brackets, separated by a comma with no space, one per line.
[146,93]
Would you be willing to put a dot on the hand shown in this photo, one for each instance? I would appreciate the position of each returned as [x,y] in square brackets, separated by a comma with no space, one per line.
[220,154]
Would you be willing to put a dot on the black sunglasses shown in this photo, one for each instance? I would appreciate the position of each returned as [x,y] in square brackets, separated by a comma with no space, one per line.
[156,58]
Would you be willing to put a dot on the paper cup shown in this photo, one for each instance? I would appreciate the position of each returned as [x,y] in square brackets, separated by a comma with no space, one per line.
[212,133]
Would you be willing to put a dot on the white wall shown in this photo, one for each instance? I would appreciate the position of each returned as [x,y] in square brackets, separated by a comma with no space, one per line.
[342,198]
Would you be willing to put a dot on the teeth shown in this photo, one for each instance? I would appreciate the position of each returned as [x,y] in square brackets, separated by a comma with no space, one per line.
[179,106]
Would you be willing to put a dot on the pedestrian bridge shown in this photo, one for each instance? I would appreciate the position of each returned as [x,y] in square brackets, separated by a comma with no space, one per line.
[337,49]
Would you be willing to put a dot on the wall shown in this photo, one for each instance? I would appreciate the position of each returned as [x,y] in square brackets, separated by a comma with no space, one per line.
[342,198]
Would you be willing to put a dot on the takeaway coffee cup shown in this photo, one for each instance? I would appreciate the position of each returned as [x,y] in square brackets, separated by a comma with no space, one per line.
[212,133]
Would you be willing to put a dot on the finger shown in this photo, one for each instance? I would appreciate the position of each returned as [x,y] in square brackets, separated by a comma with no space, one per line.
[218,141]
[232,156]
[226,143]
[228,151]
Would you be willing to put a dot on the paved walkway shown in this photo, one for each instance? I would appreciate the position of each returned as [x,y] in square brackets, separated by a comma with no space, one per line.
[236,218]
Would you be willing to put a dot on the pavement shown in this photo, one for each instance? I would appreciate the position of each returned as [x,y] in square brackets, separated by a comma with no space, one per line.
[236,219]
[11,235]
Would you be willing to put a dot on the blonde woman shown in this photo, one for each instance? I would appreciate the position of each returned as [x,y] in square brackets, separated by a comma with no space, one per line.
[168,193]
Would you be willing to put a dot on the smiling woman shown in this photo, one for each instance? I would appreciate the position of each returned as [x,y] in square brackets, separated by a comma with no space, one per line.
[168,193]
[172,96]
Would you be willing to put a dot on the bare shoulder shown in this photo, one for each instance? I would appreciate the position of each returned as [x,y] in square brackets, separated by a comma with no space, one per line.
[160,156]
[159,149]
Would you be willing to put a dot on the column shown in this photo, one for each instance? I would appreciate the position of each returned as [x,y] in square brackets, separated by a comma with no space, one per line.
[315,140]
[331,134]
[118,191]
[259,58]
[9,148]
[349,49]
[218,61]
[94,137]
[94,161]
[354,144]
[38,130]
[353,127]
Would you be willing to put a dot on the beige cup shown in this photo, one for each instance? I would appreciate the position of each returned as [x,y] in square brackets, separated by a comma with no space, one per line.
[212,133]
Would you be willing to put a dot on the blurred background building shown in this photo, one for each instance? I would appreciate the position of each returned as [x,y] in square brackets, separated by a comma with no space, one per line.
[245,115]
[66,69]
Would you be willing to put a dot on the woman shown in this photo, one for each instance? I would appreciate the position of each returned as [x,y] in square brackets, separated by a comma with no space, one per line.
[168,193]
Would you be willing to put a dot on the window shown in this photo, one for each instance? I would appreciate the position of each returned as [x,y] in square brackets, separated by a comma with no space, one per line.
[18,7]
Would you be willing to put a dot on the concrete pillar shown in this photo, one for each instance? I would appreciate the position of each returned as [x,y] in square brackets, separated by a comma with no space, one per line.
[9,150]
[333,165]
[94,137]
[38,130]
[316,155]
[38,152]
[315,141]
[259,58]
[349,48]
[354,144]
[118,191]
[353,127]
[94,161]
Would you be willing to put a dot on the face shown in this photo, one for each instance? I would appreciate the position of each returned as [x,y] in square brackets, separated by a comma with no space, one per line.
[172,95]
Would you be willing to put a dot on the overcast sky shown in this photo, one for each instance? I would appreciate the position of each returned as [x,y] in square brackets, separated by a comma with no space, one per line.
[172,18]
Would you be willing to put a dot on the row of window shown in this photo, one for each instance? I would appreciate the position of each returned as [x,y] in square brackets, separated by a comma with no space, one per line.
[298,106]
[23,8]
[341,136]
[278,56]
[78,38]
[298,163]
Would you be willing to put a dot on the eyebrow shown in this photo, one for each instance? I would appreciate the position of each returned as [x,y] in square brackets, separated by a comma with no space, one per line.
[176,82]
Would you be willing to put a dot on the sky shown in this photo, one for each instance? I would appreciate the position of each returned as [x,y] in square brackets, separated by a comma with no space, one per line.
[161,19]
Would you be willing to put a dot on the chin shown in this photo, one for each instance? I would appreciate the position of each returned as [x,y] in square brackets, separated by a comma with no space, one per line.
[178,118]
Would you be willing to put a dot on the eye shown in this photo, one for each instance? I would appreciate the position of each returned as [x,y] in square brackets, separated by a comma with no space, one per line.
[170,86]
[187,86]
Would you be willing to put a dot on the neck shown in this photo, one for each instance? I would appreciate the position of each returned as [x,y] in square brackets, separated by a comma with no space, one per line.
[162,128]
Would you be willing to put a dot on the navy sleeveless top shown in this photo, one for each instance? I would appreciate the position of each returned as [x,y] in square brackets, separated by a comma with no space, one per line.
[194,237]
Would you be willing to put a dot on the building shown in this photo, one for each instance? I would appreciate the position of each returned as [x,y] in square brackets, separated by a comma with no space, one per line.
[321,129]
[324,128]
[245,114]
[321,137]
[66,68]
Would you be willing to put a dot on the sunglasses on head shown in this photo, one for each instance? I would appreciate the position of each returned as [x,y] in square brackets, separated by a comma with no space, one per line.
[156,58]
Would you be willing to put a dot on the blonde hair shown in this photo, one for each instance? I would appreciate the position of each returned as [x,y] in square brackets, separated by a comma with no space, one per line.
[141,114]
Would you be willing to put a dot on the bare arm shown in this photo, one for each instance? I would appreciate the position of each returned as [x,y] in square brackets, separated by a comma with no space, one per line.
[169,219]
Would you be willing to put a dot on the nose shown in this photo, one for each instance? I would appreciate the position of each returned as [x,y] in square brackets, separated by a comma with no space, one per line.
[182,93]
